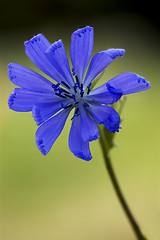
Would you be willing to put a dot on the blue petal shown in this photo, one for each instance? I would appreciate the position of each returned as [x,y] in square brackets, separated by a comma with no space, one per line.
[103,95]
[113,122]
[57,55]
[43,111]
[81,50]
[128,83]
[36,49]
[106,115]
[23,100]
[28,79]
[99,62]
[76,143]
[49,131]
[89,128]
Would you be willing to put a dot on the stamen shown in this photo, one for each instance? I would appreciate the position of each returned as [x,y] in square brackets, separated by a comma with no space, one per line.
[55,86]
[67,106]
[66,85]
[76,77]
[70,105]
[63,90]
[58,90]
[67,95]
[73,71]
[77,85]
[82,92]
[76,113]
[75,89]
[60,95]
[88,91]
[74,98]
[89,88]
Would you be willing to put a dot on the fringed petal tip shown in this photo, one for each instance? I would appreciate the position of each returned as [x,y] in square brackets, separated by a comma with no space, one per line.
[114,129]
[11,100]
[77,145]
[50,130]
[115,52]
[41,146]
[128,83]
[82,156]
[143,81]
[113,122]
[111,127]
[10,72]
[34,39]
[99,62]
[94,137]
[81,31]
[52,49]
[10,65]
[81,50]
[56,54]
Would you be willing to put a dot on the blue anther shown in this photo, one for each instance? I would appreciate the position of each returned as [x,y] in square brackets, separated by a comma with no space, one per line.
[60,95]
[73,71]
[62,105]
[68,95]
[74,98]
[55,86]
[86,105]
[89,88]
[76,113]
[77,85]
[82,92]
[75,89]
[66,106]
[66,85]
[76,77]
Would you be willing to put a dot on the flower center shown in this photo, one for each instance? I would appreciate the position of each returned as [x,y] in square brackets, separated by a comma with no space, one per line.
[75,94]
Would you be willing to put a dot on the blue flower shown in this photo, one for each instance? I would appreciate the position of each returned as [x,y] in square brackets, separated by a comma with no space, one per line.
[52,103]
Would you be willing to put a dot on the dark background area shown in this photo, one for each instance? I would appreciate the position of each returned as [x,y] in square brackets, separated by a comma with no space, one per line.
[20,14]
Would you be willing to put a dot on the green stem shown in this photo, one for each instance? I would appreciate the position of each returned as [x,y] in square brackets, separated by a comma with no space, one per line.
[118,191]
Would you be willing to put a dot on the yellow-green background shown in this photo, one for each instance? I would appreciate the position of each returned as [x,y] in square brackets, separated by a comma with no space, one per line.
[61,197]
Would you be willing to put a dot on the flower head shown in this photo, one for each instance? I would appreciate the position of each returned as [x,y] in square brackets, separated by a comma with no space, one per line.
[51,103]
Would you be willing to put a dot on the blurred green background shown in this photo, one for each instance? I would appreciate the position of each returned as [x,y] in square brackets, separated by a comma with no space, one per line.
[58,196]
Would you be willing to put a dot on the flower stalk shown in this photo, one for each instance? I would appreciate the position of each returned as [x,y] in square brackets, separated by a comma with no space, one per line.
[105,150]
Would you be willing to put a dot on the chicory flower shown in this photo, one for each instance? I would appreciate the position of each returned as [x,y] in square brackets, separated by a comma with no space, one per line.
[51,103]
